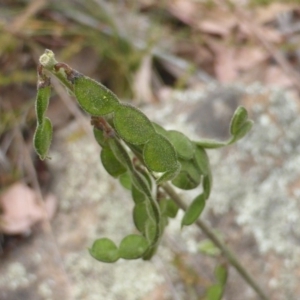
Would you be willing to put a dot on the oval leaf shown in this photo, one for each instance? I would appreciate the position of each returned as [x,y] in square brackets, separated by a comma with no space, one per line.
[242,131]
[141,213]
[94,97]
[159,155]
[194,210]
[159,129]
[133,246]
[41,103]
[189,176]
[105,250]
[202,160]
[182,144]
[207,247]
[125,180]
[132,125]
[111,164]
[137,195]
[214,292]
[120,153]
[42,138]
[100,138]
[151,230]
[169,175]
[240,116]
[168,207]
[140,183]
[221,274]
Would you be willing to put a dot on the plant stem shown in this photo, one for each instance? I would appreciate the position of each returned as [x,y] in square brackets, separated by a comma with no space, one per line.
[219,243]
[48,61]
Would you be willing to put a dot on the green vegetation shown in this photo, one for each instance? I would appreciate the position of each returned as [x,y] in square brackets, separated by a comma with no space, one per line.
[144,152]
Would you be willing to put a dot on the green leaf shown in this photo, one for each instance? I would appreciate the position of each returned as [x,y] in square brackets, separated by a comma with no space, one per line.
[120,153]
[202,160]
[240,116]
[105,250]
[168,175]
[150,252]
[168,207]
[239,127]
[159,155]
[42,138]
[100,138]
[221,274]
[214,292]
[183,182]
[94,97]
[242,131]
[159,129]
[133,246]
[140,183]
[182,144]
[125,180]
[42,102]
[151,230]
[207,184]
[137,195]
[132,125]
[194,210]
[141,213]
[189,176]
[210,144]
[111,164]
[207,247]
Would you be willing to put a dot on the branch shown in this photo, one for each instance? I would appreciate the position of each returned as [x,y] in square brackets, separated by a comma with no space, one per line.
[219,243]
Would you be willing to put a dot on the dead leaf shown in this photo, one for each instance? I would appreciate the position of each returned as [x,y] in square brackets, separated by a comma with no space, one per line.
[218,22]
[210,26]
[186,11]
[248,57]
[224,66]
[276,76]
[247,31]
[265,15]
[20,209]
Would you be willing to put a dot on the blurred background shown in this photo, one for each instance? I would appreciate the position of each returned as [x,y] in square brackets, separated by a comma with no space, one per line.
[188,64]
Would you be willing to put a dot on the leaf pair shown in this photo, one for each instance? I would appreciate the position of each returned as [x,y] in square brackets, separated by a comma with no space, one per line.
[240,125]
[43,133]
[131,247]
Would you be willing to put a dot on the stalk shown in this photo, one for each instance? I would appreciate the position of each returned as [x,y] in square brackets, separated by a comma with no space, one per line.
[232,258]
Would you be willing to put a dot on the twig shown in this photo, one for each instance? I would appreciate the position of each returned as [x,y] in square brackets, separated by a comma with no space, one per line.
[216,240]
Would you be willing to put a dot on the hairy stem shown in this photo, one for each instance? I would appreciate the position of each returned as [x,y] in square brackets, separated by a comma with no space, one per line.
[219,243]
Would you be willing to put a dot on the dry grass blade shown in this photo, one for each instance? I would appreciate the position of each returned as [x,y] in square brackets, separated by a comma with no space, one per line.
[33,7]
